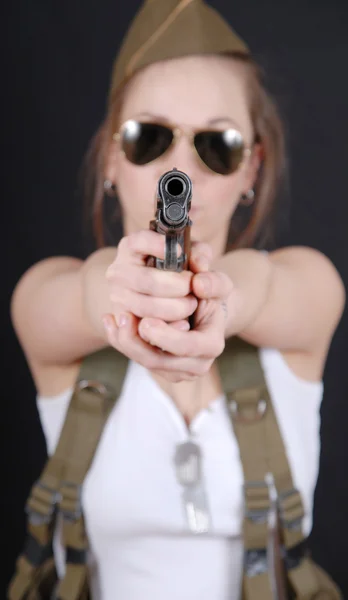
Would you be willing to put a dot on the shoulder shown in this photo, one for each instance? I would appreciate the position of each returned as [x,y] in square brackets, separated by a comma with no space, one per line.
[34,312]
[25,305]
[49,268]
[37,275]
[51,319]
[319,275]
[321,289]
[309,259]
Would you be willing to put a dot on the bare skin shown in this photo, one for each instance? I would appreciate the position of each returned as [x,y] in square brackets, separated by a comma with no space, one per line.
[291,299]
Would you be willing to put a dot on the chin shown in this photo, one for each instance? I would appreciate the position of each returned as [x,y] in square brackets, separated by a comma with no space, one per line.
[201,234]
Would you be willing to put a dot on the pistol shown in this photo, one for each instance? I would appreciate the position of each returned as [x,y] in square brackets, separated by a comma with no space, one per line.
[172,207]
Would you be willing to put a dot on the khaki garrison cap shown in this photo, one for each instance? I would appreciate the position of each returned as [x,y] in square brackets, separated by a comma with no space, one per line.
[165,29]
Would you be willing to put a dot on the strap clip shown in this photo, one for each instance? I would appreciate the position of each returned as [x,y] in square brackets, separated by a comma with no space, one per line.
[290,509]
[70,504]
[248,405]
[257,501]
[42,504]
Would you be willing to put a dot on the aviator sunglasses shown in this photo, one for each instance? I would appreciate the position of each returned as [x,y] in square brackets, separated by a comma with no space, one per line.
[221,150]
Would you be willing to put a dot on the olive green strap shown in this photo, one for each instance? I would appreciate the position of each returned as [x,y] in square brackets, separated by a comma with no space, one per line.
[41,508]
[245,391]
[98,386]
[263,456]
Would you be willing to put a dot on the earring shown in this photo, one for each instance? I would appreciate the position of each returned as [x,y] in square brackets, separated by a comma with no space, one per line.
[248,198]
[109,187]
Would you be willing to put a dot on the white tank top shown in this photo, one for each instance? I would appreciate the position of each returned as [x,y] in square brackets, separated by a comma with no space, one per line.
[141,547]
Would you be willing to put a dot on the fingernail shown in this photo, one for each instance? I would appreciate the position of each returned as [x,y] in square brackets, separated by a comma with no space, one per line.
[184,326]
[122,320]
[107,322]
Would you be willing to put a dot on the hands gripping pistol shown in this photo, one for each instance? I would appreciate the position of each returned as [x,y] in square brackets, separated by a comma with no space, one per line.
[172,206]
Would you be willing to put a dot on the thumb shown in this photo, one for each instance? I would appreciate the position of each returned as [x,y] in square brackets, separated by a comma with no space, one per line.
[200,257]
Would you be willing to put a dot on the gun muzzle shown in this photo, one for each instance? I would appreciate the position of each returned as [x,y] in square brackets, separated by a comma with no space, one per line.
[172,207]
[174,199]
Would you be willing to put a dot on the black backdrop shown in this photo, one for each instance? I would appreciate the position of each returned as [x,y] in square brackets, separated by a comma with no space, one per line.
[58,60]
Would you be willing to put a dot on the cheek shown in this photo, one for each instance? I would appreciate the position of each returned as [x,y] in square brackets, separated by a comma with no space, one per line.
[223,196]
[136,189]
[217,202]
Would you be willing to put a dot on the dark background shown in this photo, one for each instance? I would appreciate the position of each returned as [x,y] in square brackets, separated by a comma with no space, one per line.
[58,58]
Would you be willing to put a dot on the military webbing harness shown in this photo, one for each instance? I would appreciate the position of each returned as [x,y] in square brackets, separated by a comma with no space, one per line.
[276,560]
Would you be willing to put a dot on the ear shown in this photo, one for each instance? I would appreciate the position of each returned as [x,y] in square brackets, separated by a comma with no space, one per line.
[112,162]
[253,167]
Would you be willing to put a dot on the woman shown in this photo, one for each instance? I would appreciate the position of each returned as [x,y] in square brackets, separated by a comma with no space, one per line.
[185,93]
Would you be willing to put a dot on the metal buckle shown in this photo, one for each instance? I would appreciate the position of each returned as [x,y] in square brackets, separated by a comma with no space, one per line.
[93,385]
[104,392]
[291,524]
[295,555]
[34,516]
[257,515]
[259,409]
[255,562]
[73,496]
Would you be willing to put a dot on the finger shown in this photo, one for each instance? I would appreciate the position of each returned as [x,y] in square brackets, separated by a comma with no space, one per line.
[200,257]
[204,341]
[176,377]
[182,325]
[150,281]
[212,285]
[113,325]
[122,334]
[137,247]
[125,339]
[141,305]
[210,318]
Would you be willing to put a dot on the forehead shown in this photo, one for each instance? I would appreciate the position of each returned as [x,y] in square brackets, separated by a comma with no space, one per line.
[190,90]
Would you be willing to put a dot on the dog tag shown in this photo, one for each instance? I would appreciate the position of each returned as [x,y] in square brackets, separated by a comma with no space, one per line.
[197,513]
[188,464]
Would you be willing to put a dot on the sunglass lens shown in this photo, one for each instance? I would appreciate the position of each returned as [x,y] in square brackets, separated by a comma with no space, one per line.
[222,151]
[144,142]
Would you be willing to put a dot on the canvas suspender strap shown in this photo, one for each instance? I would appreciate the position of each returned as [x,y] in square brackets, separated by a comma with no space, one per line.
[240,373]
[98,386]
[263,454]
[101,376]
[41,507]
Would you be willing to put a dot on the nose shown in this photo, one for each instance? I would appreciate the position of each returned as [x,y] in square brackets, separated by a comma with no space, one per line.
[183,157]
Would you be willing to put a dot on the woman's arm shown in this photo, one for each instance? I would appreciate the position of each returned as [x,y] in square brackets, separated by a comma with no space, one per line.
[291,299]
[55,308]
[58,305]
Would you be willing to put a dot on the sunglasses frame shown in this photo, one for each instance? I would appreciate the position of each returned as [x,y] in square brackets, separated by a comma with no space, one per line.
[179,132]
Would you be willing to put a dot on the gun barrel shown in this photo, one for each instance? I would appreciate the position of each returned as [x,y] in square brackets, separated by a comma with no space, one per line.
[174,199]
[172,207]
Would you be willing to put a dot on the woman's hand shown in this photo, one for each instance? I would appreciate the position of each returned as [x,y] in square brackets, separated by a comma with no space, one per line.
[151,307]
